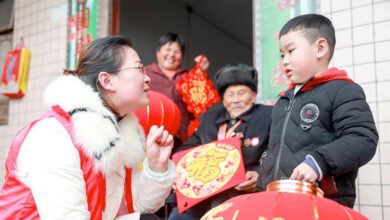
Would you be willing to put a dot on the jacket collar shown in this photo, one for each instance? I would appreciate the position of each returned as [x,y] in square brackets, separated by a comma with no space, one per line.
[329,75]
[113,145]
[154,68]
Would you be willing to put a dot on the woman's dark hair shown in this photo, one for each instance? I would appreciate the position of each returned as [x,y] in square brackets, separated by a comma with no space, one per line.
[171,37]
[101,55]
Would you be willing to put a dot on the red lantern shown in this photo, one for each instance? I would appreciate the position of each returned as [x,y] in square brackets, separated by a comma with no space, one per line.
[160,111]
[284,204]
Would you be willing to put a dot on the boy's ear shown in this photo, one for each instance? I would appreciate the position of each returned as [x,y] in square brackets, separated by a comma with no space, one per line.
[105,80]
[322,48]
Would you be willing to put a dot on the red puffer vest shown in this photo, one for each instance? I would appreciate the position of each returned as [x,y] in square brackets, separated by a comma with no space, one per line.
[17,201]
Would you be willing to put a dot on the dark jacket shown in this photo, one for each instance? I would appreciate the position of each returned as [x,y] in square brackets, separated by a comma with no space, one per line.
[255,126]
[256,123]
[328,119]
[161,83]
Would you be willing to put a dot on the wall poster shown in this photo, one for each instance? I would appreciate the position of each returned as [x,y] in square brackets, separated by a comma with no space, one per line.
[269,18]
[82,28]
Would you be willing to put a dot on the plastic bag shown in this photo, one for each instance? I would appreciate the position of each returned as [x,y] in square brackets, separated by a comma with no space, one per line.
[15,72]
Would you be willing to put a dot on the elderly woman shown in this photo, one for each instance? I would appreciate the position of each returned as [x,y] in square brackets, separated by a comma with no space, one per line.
[80,159]
[237,86]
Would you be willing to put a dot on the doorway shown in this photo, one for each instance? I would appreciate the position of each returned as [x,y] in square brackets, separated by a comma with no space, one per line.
[222,30]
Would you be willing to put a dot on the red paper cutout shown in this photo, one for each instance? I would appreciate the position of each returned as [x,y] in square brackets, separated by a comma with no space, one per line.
[197,92]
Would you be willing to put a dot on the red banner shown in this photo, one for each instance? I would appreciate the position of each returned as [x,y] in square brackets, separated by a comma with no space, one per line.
[207,170]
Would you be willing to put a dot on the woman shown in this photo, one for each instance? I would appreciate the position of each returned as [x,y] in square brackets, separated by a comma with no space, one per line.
[81,158]
[167,71]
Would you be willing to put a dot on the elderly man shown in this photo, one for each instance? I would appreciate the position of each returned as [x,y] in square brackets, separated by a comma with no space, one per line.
[237,86]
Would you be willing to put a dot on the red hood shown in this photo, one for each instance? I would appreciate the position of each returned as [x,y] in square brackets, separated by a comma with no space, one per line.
[329,75]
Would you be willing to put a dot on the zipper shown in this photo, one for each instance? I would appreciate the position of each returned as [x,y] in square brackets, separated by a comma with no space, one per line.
[288,108]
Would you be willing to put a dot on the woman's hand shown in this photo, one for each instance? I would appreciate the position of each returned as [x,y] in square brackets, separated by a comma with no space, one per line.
[205,64]
[159,145]
[250,184]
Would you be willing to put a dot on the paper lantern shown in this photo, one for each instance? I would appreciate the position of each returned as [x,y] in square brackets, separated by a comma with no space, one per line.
[160,111]
[294,201]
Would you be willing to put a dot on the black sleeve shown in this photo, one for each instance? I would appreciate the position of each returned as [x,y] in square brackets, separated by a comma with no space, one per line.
[356,134]
[192,141]
[265,121]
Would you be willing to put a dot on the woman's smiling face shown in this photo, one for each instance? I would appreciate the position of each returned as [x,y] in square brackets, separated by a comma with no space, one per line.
[169,56]
[131,84]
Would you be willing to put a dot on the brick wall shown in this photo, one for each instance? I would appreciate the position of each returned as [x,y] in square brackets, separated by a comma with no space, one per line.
[363,49]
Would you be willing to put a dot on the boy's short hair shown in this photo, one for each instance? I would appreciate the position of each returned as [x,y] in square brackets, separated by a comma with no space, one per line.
[313,26]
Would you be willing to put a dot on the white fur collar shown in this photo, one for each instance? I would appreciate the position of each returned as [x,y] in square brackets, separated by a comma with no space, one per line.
[112,145]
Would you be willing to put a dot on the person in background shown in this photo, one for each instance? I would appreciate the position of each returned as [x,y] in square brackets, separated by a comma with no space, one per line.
[322,127]
[167,71]
[80,159]
[237,85]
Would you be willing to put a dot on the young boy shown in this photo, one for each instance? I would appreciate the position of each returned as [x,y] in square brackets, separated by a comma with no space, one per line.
[322,128]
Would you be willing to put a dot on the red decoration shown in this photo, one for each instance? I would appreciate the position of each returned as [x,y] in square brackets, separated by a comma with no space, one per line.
[15,72]
[295,186]
[282,204]
[160,111]
[193,126]
[197,91]
[206,170]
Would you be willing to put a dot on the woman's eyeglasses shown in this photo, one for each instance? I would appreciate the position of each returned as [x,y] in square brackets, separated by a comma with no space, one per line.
[141,68]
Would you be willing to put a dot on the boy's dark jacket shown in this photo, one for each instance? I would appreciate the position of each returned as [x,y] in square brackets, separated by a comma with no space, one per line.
[328,119]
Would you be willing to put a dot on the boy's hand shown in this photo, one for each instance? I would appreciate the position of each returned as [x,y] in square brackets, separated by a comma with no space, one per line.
[250,184]
[304,172]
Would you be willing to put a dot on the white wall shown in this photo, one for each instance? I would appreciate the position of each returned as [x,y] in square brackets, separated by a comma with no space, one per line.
[45,35]
[43,24]
[363,49]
